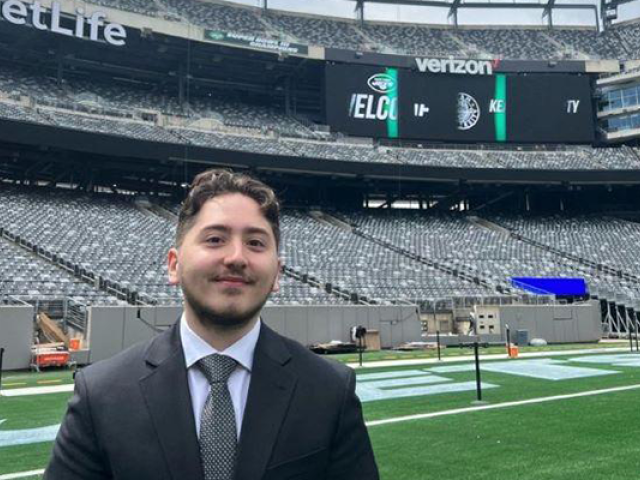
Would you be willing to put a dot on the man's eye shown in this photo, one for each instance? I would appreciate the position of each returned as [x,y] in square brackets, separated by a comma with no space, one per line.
[214,240]
[256,243]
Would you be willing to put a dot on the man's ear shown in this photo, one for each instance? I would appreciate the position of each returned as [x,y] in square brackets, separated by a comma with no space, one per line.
[276,282]
[172,266]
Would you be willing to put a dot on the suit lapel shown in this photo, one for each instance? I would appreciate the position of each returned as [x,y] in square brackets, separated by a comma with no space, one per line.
[166,392]
[270,392]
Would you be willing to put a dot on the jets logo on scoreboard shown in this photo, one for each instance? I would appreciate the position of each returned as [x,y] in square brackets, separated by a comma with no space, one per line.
[382,83]
[380,105]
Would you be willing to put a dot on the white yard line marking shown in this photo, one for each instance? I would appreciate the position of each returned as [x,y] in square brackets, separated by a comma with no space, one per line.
[20,392]
[493,356]
[501,405]
[25,376]
[11,476]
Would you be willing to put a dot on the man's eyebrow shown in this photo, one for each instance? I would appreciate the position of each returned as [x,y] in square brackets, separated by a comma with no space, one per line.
[226,229]
[259,230]
[216,227]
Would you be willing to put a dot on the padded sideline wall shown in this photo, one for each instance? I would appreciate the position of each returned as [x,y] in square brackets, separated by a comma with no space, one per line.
[16,336]
[113,329]
[321,324]
[556,324]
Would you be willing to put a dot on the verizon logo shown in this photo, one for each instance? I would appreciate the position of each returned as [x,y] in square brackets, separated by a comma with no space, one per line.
[452,65]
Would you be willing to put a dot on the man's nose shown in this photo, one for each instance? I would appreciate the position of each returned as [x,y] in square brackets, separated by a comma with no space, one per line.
[235,254]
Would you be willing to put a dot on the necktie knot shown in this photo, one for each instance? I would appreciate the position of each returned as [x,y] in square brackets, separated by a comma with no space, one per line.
[217,368]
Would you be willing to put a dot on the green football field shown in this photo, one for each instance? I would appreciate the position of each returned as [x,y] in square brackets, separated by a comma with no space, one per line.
[566,417]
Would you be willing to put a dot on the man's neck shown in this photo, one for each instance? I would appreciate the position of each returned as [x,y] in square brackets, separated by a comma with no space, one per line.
[219,337]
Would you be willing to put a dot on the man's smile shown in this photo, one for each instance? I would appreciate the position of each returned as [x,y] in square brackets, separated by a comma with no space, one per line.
[232,281]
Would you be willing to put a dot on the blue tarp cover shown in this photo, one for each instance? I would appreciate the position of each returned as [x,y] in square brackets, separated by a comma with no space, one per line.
[555,286]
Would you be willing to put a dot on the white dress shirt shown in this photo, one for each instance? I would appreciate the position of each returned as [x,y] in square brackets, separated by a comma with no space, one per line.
[242,352]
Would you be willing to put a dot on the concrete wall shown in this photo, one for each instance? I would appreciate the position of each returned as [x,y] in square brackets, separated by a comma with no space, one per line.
[16,336]
[321,324]
[113,329]
[556,324]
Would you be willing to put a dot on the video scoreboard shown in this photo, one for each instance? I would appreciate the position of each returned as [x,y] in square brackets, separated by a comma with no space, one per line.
[401,103]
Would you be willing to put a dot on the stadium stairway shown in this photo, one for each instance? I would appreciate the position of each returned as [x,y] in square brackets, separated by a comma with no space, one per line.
[623,42]
[494,200]
[160,6]
[155,209]
[441,266]
[46,115]
[90,278]
[368,42]
[556,251]
[558,44]
[274,31]
[463,46]
[330,220]
[488,225]
[331,289]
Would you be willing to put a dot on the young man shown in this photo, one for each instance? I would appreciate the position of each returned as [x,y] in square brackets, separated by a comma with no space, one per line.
[219,395]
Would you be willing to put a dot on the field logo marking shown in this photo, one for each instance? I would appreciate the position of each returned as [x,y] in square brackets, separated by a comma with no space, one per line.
[413,383]
[544,369]
[622,360]
[391,385]
[9,438]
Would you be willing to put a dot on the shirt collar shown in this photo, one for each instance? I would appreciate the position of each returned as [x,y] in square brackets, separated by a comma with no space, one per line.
[195,347]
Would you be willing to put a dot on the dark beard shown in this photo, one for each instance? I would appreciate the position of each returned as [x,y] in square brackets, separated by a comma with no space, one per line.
[231,320]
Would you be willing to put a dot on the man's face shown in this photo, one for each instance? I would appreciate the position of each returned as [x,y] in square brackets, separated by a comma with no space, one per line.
[228,262]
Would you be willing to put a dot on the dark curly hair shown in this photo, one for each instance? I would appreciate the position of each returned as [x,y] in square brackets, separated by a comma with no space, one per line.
[215,182]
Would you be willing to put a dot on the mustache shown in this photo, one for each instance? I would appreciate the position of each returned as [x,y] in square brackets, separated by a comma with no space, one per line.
[234,275]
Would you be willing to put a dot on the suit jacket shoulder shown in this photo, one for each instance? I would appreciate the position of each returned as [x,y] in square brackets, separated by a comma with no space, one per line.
[325,367]
[111,428]
[322,435]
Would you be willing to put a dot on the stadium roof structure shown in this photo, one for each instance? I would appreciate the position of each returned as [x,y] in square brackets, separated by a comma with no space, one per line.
[455,5]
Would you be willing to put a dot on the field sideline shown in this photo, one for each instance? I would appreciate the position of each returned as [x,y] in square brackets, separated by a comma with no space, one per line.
[585,426]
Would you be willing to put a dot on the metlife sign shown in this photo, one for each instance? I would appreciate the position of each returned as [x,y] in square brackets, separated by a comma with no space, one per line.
[384,102]
[92,27]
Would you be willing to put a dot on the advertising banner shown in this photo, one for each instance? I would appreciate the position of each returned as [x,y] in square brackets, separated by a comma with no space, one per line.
[255,41]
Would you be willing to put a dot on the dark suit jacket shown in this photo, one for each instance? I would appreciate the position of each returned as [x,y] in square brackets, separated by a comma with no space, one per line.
[131,418]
